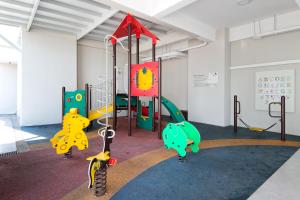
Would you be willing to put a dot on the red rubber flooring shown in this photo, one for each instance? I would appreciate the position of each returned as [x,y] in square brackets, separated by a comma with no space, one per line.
[41,174]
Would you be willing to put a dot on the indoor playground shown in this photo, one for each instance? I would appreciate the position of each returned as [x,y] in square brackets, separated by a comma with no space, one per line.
[155,100]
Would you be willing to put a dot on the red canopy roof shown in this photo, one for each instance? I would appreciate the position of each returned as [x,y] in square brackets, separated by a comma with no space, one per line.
[136,28]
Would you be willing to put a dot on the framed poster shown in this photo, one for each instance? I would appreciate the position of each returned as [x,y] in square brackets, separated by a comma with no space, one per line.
[271,85]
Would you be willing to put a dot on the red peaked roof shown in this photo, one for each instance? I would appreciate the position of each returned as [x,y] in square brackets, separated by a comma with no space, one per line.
[137,28]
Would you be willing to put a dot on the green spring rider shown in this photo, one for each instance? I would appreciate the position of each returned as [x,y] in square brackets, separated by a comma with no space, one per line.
[179,136]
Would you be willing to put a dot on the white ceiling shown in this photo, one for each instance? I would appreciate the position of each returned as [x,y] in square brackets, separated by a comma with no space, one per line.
[111,24]
[226,13]
[89,18]
[93,19]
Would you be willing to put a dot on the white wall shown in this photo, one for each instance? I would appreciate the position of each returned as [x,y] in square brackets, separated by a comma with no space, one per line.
[19,86]
[266,26]
[174,82]
[91,61]
[49,61]
[91,65]
[8,88]
[210,104]
[174,75]
[270,49]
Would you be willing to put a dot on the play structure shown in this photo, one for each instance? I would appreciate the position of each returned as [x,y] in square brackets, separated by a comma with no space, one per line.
[281,117]
[72,133]
[143,79]
[179,136]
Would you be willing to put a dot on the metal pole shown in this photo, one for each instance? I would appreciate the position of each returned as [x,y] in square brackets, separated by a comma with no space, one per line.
[159,98]
[90,98]
[87,100]
[114,86]
[137,62]
[106,83]
[137,50]
[129,80]
[153,98]
[63,91]
[282,120]
[235,113]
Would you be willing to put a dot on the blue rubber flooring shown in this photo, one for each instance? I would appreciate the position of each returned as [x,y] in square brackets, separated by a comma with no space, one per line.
[208,132]
[231,173]
[44,131]
[211,132]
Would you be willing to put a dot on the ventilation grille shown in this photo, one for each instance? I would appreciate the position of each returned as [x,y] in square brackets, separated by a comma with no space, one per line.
[8,154]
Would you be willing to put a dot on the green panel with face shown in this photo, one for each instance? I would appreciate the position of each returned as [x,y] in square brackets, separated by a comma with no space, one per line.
[75,99]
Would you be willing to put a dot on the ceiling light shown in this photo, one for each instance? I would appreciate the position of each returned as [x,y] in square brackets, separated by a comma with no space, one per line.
[243,2]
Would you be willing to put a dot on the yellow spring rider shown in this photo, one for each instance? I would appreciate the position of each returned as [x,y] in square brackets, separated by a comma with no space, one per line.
[99,163]
[72,133]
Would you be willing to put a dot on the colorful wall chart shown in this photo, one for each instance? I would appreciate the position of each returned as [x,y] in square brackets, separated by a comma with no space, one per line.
[271,85]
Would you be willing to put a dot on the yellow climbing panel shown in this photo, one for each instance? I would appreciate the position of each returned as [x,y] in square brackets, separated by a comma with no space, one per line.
[145,79]
[97,113]
[71,134]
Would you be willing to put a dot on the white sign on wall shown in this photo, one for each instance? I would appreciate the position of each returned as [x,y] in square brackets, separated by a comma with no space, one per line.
[271,85]
[201,80]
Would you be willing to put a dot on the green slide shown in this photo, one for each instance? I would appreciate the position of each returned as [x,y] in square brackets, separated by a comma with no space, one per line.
[175,113]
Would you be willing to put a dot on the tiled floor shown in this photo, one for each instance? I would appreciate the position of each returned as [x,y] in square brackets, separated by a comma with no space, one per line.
[7,135]
[283,184]
[12,138]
